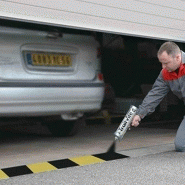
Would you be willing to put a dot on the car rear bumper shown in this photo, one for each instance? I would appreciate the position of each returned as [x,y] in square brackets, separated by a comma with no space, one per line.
[50,99]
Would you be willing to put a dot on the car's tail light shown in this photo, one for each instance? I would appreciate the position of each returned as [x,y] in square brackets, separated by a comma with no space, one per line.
[100,76]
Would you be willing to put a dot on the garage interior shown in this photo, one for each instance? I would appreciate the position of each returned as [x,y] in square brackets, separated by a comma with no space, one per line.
[130,67]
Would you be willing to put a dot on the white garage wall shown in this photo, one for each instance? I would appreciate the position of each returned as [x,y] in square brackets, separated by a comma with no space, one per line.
[148,18]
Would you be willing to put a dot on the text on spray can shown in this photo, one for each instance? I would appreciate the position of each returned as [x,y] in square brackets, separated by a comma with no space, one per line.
[125,124]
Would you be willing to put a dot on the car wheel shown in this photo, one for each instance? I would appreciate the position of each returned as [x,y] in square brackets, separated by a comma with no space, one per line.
[63,128]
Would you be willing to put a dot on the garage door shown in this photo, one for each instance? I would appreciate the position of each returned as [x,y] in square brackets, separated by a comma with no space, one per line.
[148,18]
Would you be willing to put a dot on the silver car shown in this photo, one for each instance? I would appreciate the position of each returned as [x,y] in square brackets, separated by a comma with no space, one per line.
[46,73]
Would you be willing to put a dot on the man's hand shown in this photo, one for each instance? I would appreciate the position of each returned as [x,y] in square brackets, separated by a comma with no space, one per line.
[136,120]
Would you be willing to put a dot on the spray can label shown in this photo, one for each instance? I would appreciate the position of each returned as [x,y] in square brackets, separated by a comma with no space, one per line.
[125,124]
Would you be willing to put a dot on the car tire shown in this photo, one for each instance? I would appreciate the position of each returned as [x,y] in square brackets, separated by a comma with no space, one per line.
[63,128]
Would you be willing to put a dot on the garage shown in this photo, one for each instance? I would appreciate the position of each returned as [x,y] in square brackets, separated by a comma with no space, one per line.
[129,34]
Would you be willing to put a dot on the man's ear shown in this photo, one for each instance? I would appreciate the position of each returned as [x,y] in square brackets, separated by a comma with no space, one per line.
[178,57]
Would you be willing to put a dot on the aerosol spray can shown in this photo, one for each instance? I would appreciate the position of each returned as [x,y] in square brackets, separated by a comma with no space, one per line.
[126,122]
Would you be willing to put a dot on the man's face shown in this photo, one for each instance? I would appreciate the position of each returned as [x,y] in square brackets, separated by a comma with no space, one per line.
[169,62]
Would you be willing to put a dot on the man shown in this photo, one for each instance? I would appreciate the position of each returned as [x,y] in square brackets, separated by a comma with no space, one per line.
[171,77]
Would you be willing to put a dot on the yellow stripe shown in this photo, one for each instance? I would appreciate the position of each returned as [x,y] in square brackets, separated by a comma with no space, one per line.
[85,160]
[3,175]
[41,167]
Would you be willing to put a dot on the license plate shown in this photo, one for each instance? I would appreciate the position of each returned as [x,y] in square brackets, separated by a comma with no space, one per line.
[42,59]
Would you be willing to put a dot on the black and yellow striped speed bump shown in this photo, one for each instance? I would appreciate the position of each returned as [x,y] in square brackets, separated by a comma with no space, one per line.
[58,164]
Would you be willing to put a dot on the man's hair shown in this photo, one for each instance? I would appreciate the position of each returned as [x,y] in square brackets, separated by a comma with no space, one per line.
[170,47]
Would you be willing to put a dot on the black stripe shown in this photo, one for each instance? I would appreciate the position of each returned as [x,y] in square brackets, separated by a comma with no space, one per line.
[28,84]
[16,171]
[110,156]
[64,163]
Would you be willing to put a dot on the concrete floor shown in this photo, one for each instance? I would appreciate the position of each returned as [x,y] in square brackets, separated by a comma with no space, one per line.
[23,148]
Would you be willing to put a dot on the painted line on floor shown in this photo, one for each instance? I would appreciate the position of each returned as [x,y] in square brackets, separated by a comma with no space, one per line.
[6,173]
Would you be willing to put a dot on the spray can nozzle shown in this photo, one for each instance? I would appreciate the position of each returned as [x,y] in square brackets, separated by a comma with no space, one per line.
[116,138]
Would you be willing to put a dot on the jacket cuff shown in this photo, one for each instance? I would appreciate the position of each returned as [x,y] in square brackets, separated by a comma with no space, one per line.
[141,113]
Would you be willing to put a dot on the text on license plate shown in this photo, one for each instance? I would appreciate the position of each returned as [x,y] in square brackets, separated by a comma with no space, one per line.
[39,59]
